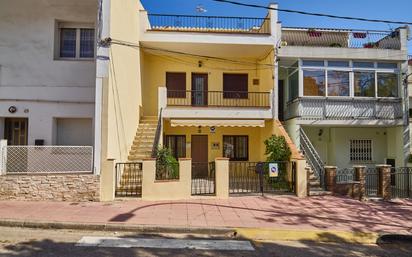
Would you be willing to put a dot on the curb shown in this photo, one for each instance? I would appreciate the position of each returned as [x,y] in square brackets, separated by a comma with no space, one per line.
[115,227]
[254,234]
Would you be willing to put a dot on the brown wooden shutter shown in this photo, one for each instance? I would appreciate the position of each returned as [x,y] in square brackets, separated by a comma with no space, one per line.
[235,85]
[176,84]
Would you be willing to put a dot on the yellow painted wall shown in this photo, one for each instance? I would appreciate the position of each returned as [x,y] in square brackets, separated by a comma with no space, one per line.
[124,90]
[256,138]
[156,64]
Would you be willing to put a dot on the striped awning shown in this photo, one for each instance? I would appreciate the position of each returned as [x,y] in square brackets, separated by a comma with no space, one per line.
[217,123]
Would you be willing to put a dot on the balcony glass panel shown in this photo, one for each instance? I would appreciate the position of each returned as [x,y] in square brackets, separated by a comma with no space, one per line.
[387,85]
[313,83]
[313,63]
[293,86]
[364,83]
[363,64]
[338,83]
[387,65]
[338,63]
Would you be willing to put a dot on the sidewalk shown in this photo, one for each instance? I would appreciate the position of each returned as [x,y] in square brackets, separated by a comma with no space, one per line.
[277,212]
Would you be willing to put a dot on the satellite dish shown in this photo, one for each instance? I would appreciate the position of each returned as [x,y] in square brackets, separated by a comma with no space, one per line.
[200,9]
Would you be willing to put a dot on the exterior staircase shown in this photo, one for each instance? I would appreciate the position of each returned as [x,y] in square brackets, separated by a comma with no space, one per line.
[315,188]
[144,139]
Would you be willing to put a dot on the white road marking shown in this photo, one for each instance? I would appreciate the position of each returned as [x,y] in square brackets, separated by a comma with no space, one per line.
[200,244]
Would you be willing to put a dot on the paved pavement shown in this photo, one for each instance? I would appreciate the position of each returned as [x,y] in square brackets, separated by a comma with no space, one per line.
[19,242]
[279,212]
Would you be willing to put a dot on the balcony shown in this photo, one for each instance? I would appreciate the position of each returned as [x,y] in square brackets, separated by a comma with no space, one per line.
[210,24]
[337,38]
[218,99]
[322,108]
[215,104]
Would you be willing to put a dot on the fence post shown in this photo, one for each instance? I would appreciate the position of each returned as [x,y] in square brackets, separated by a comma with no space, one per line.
[360,176]
[107,180]
[3,156]
[301,179]
[384,181]
[330,178]
[185,176]
[222,177]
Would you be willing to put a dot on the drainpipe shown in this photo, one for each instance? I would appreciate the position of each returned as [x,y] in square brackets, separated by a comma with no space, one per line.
[102,74]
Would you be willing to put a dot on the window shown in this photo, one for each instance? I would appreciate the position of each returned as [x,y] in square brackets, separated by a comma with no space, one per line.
[293,86]
[313,63]
[236,148]
[364,83]
[338,63]
[235,85]
[363,64]
[387,84]
[360,150]
[338,83]
[76,41]
[387,65]
[313,83]
[176,84]
[177,145]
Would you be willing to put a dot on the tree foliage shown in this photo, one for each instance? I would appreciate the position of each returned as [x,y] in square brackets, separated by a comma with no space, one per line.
[277,149]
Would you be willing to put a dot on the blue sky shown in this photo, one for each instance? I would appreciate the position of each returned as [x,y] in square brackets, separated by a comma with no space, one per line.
[376,9]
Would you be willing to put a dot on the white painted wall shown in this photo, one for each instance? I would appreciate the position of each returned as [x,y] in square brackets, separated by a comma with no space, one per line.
[41,87]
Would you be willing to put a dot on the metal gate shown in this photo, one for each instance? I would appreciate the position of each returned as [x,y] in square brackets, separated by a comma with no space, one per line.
[401,182]
[203,178]
[371,182]
[247,177]
[128,179]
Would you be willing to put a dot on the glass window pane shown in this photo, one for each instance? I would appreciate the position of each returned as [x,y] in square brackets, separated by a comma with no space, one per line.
[364,83]
[313,63]
[87,43]
[293,86]
[387,65]
[338,63]
[363,64]
[313,83]
[68,43]
[228,147]
[387,85]
[338,83]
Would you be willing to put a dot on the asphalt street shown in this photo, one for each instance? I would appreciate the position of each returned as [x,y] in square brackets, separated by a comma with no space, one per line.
[62,243]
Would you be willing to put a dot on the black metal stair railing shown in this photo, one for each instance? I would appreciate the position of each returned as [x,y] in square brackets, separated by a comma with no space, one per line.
[157,135]
[312,157]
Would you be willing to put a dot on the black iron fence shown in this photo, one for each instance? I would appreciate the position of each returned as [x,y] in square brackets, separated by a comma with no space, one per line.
[371,182]
[203,178]
[218,98]
[216,24]
[401,182]
[128,179]
[253,177]
[345,175]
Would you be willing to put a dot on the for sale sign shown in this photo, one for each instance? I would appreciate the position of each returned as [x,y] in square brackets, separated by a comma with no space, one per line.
[273,170]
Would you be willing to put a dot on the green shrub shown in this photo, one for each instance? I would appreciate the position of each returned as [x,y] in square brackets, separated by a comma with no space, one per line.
[167,167]
[277,149]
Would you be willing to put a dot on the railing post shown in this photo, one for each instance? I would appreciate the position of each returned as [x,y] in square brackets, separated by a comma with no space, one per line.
[3,156]
[222,177]
[384,181]
[330,178]
[360,176]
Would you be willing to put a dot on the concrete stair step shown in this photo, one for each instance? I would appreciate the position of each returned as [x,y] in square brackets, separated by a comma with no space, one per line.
[318,191]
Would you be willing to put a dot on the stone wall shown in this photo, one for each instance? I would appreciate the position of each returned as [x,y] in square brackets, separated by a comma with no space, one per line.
[52,187]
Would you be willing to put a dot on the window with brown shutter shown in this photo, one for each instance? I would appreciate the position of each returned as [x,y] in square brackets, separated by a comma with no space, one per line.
[176,84]
[235,85]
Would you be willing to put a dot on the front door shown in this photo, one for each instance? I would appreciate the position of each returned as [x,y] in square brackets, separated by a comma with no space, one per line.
[15,131]
[200,156]
[199,89]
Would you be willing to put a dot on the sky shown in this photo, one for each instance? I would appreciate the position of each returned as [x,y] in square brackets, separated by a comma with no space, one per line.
[376,9]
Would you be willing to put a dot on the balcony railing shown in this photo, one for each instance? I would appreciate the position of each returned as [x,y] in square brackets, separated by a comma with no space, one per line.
[321,108]
[218,99]
[216,24]
[341,38]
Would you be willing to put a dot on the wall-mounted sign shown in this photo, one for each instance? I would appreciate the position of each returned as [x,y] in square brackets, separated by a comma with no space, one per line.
[273,170]
[212,129]
[215,146]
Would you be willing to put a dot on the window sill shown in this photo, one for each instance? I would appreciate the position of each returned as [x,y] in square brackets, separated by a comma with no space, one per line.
[75,59]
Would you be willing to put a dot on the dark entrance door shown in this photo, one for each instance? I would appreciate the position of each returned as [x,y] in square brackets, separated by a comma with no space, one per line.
[203,172]
[199,89]
[15,131]
[281,100]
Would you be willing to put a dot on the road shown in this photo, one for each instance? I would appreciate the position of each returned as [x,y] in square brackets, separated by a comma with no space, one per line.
[62,243]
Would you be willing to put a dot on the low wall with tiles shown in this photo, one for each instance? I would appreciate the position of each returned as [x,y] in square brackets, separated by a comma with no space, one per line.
[52,187]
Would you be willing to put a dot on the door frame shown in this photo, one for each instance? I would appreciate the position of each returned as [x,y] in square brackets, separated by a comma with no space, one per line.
[205,88]
[12,120]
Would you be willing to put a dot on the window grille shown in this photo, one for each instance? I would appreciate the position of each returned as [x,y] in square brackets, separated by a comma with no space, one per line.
[360,150]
